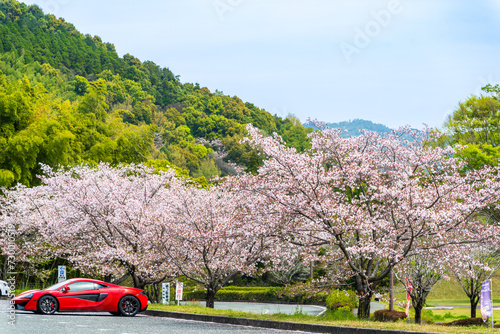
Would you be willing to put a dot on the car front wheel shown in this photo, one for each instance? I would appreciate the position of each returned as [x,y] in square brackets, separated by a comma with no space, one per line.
[47,305]
[129,306]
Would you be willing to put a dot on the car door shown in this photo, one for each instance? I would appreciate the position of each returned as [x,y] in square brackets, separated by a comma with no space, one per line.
[82,295]
[107,298]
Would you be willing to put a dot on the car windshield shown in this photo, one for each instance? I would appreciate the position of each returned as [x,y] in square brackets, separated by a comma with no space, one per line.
[57,286]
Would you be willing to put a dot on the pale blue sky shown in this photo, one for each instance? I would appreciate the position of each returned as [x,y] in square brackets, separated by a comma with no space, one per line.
[412,63]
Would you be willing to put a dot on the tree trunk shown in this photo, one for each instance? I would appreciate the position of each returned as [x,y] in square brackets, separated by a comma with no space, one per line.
[364,297]
[418,312]
[4,271]
[121,279]
[210,298]
[135,279]
[138,283]
[156,287]
[473,306]
[364,308]
[2,274]
[148,293]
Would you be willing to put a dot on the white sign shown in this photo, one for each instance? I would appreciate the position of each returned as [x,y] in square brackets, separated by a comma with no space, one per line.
[165,293]
[178,291]
[61,277]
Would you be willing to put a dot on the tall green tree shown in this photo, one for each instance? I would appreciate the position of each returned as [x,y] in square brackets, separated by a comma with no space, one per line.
[475,126]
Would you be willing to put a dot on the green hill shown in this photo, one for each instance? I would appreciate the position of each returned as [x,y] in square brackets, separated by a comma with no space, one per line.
[69,98]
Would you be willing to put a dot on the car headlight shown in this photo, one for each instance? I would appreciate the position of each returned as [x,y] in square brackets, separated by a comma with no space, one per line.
[143,293]
[28,296]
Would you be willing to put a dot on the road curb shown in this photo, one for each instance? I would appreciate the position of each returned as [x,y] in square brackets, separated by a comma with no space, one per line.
[281,325]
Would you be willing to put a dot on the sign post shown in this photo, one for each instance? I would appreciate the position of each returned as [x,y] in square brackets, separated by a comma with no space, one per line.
[165,293]
[61,274]
[486,303]
[178,292]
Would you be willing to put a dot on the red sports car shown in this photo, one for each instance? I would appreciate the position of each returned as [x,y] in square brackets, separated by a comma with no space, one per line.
[80,294]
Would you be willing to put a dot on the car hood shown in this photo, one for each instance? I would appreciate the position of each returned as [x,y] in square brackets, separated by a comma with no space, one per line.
[21,295]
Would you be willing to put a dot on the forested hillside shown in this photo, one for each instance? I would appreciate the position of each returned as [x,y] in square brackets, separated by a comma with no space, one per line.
[67,98]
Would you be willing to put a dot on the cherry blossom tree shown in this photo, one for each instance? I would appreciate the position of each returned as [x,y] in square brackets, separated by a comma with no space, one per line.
[478,263]
[423,269]
[366,199]
[20,241]
[214,235]
[102,219]
[470,259]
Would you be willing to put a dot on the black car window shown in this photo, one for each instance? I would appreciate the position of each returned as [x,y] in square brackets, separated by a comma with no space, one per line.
[81,286]
[100,286]
[57,286]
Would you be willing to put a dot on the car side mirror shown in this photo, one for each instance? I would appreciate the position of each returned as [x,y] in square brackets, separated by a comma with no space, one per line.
[66,289]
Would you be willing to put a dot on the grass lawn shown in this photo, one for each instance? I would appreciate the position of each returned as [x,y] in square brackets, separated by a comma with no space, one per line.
[464,312]
[301,318]
[496,302]
[449,292]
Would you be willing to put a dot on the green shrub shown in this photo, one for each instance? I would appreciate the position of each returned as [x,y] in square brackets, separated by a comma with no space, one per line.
[428,317]
[245,288]
[340,298]
[195,295]
[237,293]
[301,294]
[273,294]
[342,313]
[267,294]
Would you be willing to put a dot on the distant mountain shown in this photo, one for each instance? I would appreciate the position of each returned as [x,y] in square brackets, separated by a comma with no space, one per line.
[352,127]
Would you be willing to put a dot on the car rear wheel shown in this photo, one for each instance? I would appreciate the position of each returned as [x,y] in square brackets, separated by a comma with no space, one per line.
[47,305]
[129,306]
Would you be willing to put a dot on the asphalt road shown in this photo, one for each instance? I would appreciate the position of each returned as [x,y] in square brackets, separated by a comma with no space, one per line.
[88,323]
